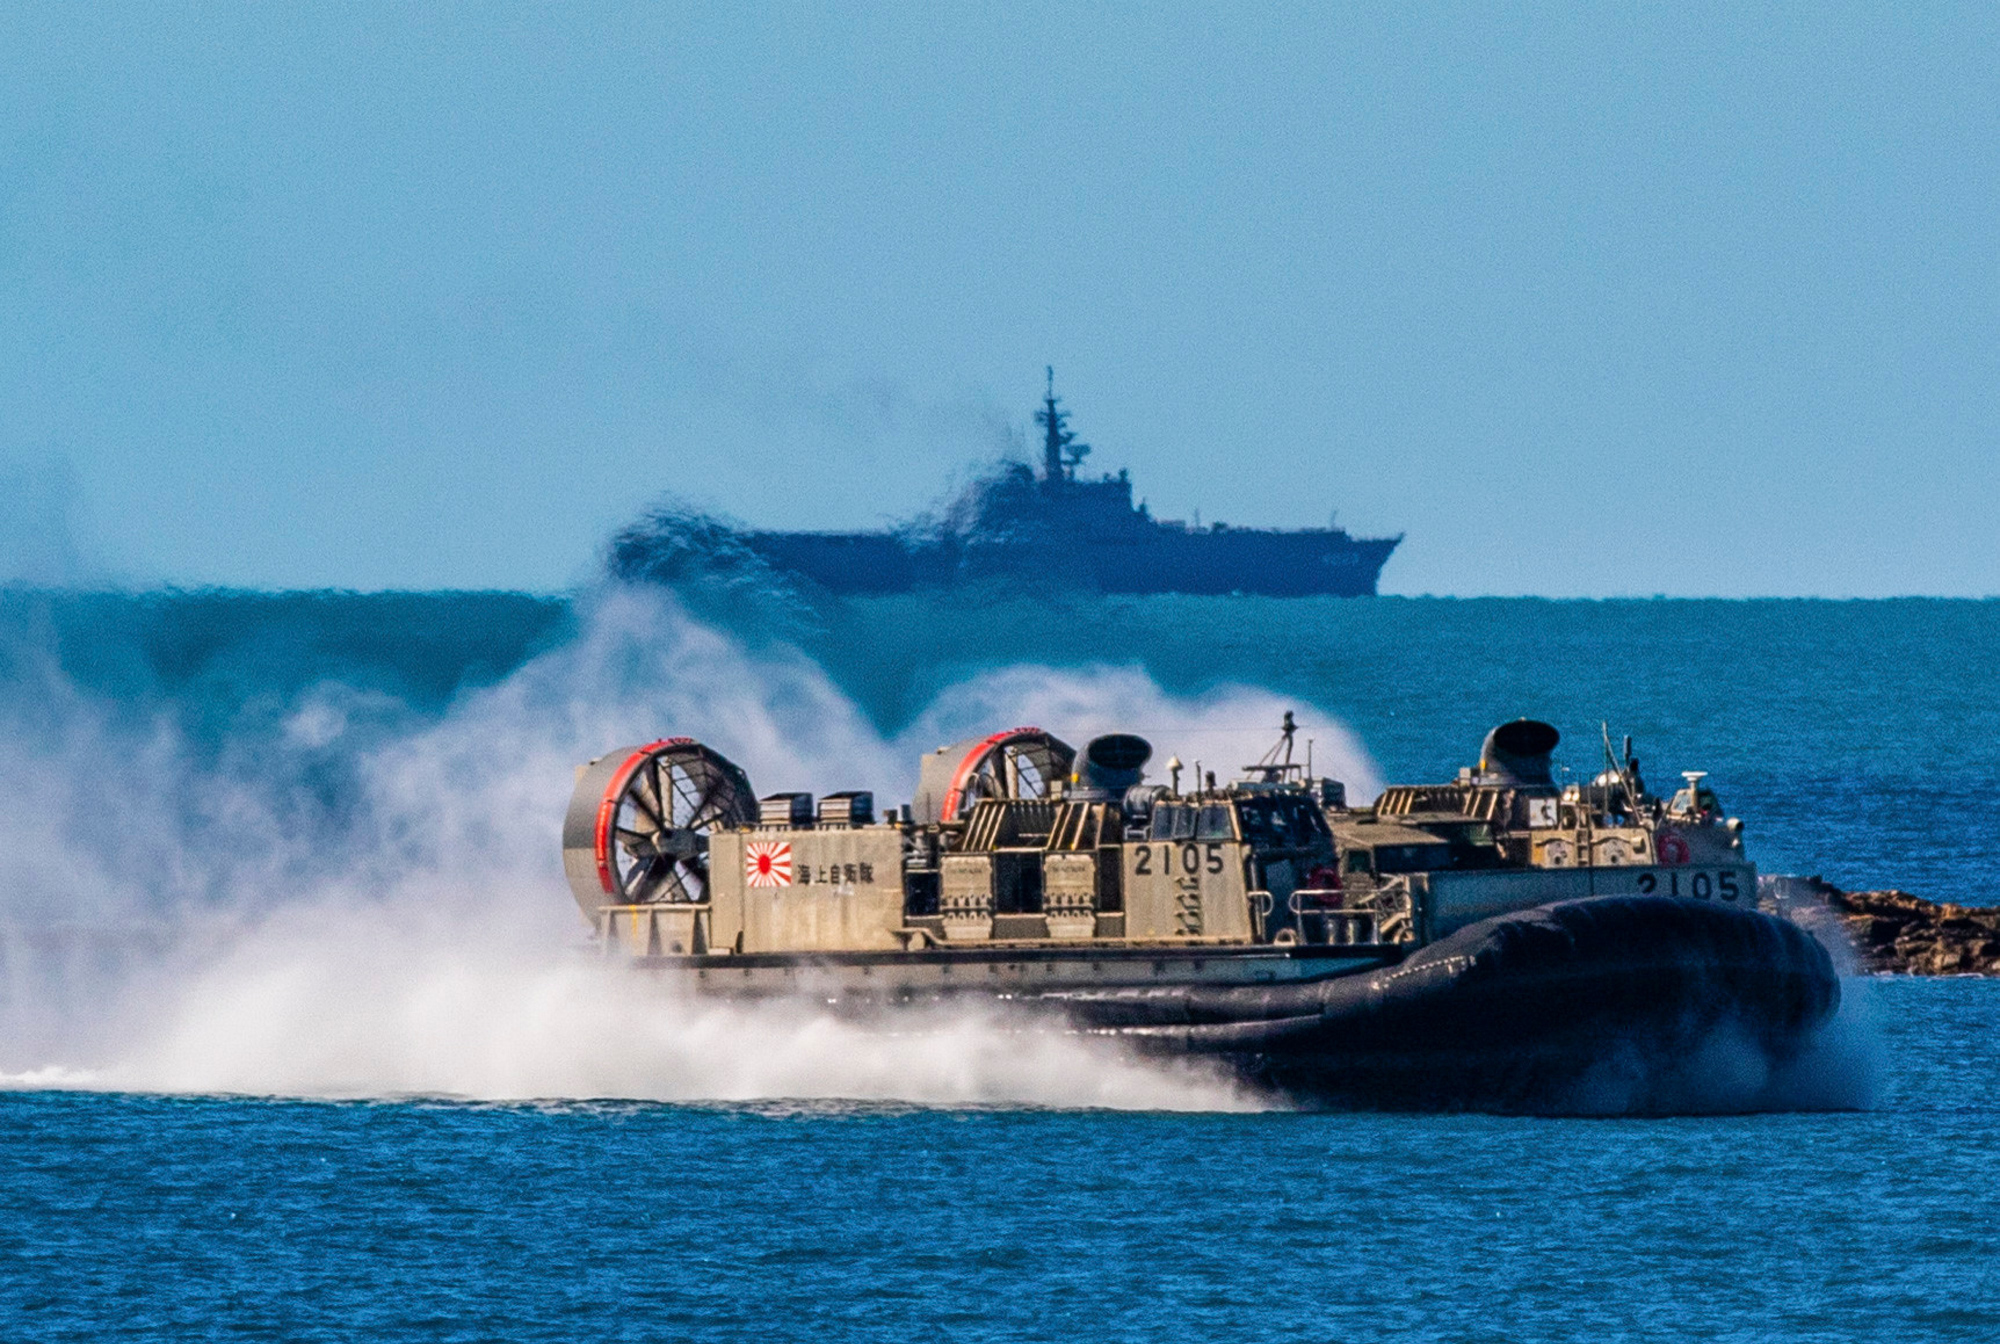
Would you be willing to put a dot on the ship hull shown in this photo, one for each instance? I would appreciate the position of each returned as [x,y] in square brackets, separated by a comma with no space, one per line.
[1213,562]
[1520,1011]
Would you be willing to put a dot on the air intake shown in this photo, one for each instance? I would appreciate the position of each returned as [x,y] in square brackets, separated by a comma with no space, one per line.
[785,809]
[1517,753]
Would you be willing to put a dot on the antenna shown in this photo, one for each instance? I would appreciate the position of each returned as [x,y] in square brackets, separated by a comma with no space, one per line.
[1061,453]
[1276,764]
[1622,768]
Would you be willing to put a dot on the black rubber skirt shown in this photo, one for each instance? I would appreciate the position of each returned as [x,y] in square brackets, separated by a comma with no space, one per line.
[1613,1003]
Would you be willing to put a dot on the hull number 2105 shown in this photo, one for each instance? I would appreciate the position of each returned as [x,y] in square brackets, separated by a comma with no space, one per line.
[1702,886]
[1186,858]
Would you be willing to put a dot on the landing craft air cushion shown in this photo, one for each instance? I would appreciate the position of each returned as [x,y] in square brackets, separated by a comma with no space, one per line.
[1478,941]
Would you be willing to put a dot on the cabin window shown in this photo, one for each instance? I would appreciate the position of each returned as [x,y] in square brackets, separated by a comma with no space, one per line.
[1471,846]
[1173,821]
[1356,862]
[1286,822]
[1216,823]
[1411,858]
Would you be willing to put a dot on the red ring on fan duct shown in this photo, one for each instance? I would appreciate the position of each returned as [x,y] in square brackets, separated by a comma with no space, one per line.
[954,796]
[614,792]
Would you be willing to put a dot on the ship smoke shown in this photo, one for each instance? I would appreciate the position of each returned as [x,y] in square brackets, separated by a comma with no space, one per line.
[369,903]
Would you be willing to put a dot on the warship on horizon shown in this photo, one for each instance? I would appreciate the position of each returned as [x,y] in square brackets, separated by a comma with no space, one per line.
[1059,529]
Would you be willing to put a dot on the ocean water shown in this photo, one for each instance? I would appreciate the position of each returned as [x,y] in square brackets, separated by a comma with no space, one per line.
[169,1216]
[297,1040]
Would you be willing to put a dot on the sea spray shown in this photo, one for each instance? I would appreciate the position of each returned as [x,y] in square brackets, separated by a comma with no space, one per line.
[1726,1068]
[369,902]
[345,1006]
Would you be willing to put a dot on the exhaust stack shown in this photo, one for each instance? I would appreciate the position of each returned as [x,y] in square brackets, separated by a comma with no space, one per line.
[1111,764]
[1517,754]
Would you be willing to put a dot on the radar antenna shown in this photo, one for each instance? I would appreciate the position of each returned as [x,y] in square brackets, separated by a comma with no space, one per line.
[1277,765]
[1061,453]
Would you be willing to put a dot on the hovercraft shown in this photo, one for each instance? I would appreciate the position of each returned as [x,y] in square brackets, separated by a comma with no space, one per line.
[1489,941]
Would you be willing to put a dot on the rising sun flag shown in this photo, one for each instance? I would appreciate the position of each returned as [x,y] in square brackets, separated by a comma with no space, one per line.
[768,864]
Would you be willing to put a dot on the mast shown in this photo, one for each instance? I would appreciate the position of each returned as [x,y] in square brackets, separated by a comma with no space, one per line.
[1277,766]
[1060,450]
[1051,421]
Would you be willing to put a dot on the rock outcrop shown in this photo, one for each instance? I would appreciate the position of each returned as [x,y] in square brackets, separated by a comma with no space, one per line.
[1894,932]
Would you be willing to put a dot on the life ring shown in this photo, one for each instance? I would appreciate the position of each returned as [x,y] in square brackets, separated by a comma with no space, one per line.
[1674,849]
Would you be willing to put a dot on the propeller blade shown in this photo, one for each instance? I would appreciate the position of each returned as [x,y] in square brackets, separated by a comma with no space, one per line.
[640,844]
[648,807]
[663,790]
[704,813]
[647,880]
[691,798]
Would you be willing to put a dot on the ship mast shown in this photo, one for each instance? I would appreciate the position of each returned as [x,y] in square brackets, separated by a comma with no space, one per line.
[1060,451]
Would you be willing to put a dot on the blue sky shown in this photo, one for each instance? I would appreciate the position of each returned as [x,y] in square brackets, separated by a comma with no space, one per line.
[1592,300]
